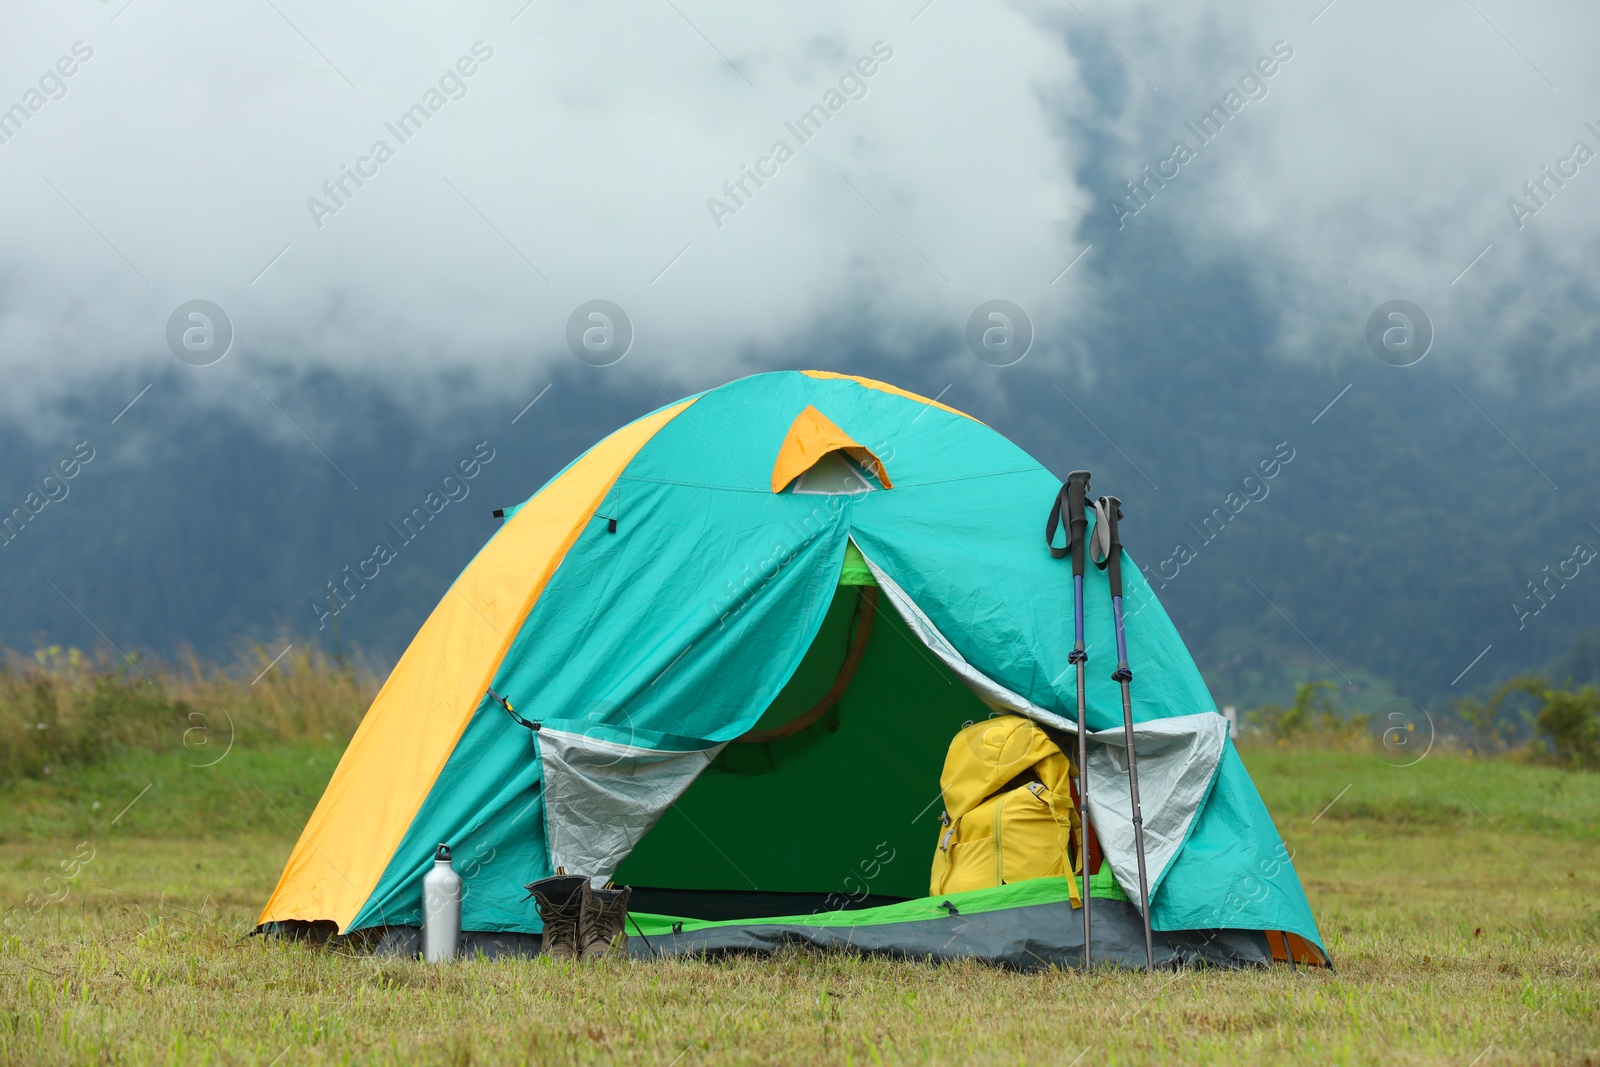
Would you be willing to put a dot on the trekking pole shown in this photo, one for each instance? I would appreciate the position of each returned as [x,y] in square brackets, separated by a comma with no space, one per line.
[1110,510]
[1076,491]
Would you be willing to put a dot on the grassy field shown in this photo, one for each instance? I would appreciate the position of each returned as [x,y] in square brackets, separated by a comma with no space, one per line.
[1459,898]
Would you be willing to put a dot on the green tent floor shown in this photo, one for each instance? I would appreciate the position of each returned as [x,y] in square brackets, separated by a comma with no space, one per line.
[1027,926]
[1102,886]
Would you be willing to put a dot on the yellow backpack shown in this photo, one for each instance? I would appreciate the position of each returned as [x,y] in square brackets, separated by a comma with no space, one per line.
[1009,814]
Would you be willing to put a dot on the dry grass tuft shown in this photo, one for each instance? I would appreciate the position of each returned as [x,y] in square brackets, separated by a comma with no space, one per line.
[60,708]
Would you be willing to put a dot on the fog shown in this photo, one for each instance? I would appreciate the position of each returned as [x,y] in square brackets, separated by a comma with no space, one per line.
[606,152]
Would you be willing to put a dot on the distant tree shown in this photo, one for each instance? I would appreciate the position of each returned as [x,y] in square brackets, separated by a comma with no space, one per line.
[1570,722]
[1314,711]
[1491,730]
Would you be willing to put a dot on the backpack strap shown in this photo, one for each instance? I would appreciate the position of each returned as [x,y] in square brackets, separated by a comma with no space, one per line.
[941,854]
[1065,813]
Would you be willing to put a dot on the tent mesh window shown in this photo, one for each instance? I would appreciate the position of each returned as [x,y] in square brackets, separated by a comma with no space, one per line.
[835,474]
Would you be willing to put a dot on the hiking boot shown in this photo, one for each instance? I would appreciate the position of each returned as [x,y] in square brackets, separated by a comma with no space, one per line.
[603,927]
[560,900]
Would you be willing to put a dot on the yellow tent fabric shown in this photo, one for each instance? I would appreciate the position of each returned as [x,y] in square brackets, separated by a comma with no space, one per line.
[813,435]
[419,714]
[884,387]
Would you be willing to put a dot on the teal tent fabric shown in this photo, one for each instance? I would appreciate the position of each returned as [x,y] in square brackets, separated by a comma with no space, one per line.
[676,632]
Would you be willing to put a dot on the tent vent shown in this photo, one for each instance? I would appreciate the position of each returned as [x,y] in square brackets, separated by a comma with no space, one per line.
[836,474]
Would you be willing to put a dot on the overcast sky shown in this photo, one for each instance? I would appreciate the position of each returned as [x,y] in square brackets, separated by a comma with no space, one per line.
[186,154]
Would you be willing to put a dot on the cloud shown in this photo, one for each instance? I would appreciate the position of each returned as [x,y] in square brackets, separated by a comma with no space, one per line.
[189,158]
[1377,163]
[584,156]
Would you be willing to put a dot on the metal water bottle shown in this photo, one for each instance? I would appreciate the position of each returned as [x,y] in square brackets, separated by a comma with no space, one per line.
[441,909]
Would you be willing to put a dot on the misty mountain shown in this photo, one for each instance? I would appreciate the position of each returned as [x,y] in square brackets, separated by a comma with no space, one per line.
[1409,518]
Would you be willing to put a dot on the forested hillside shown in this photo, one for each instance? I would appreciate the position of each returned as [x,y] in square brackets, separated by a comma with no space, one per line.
[1393,543]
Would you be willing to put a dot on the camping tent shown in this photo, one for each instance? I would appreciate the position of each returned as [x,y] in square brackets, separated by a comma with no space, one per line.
[720,657]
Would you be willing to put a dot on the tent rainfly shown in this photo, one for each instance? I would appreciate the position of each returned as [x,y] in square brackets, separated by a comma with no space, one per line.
[720,658]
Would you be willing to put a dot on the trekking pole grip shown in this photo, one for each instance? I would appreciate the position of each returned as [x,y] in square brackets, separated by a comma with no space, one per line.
[1077,521]
[1111,510]
[1113,513]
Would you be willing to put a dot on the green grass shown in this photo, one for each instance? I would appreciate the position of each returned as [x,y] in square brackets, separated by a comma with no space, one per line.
[1459,898]
[1444,792]
[262,791]
[61,709]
